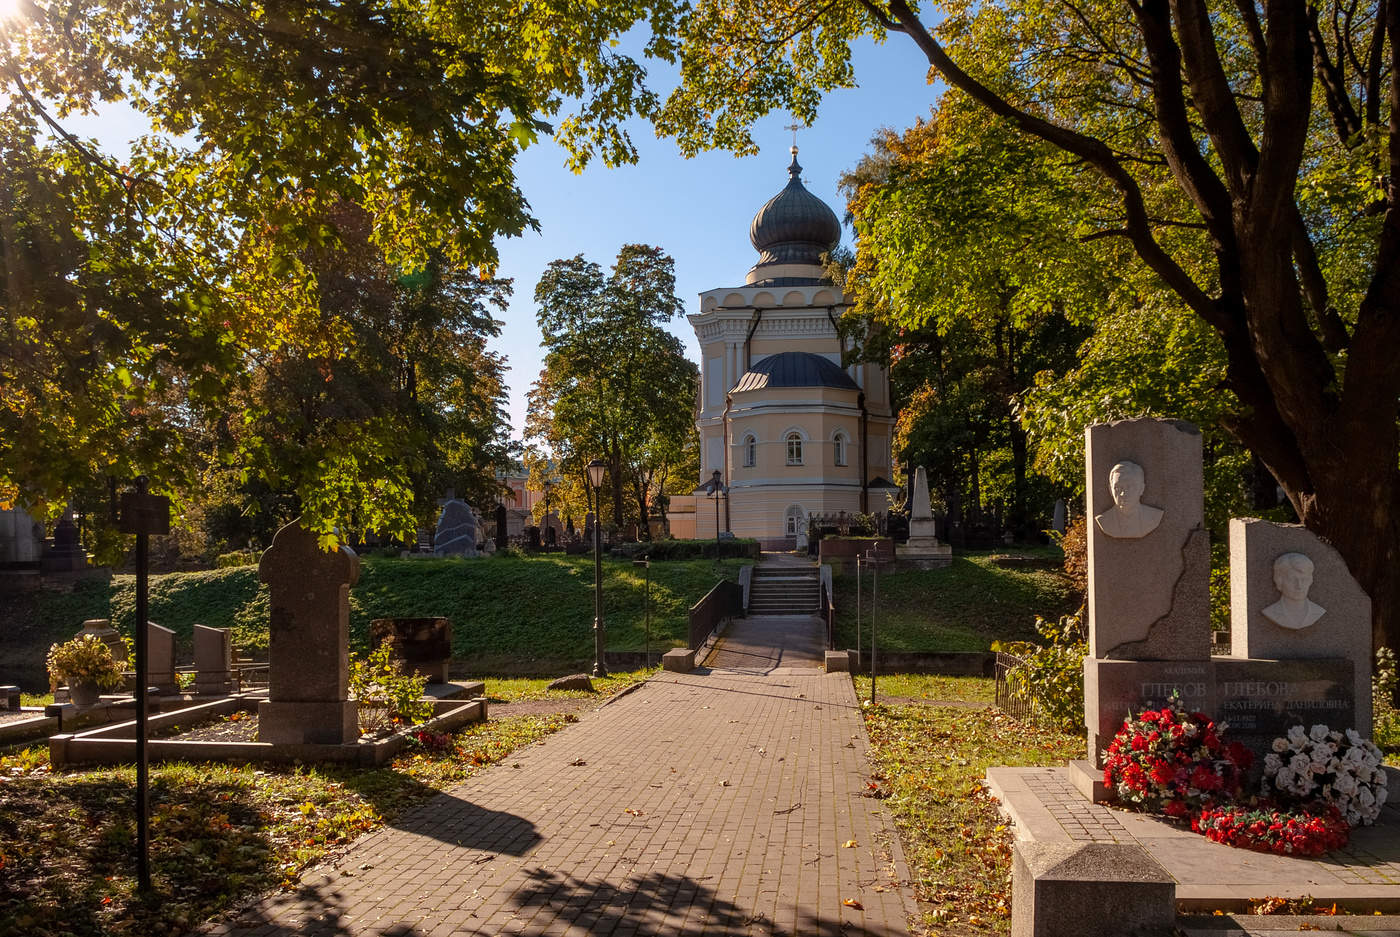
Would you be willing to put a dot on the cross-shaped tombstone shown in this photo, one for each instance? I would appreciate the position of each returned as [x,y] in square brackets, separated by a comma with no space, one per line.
[308,641]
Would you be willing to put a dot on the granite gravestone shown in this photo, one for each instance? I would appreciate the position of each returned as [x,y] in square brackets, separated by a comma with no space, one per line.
[102,628]
[502,527]
[1300,624]
[1293,598]
[213,661]
[308,641]
[424,645]
[21,537]
[160,659]
[456,529]
[1149,554]
[64,553]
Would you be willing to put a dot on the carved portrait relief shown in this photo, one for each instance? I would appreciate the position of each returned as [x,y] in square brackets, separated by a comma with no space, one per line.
[1129,518]
[1293,575]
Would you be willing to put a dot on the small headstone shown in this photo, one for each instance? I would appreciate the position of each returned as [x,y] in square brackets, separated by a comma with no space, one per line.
[160,659]
[64,553]
[532,538]
[1149,553]
[308,641]
[102,629]
[502,527]
[9,698]
[1058,519]
[456,530]
[1291,597]
[213,661]
[423,644]
[574,681]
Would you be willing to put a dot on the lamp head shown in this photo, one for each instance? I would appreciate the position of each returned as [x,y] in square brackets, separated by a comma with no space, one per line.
[596,469]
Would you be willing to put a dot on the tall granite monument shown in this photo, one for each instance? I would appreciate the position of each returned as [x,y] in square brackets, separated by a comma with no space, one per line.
[308,641]
[923,547]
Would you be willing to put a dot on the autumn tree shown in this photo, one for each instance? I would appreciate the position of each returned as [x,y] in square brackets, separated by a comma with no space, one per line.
[1248,154]
[616,385]
[137,292]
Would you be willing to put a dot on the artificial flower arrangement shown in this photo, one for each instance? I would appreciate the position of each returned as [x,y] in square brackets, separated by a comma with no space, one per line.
[1174,761]
[1318,784]
[1341,769]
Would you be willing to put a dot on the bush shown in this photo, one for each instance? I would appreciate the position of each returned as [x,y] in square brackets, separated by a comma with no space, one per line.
[1051,678]
[84,659]
[236,558]
[1387,718]
[386,694]
[663,550]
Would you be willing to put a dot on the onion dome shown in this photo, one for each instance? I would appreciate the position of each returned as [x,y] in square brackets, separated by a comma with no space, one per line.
[795,369]
[794,226]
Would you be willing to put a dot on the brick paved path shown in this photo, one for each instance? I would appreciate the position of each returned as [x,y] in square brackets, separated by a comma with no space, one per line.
[703,803]
[761,644]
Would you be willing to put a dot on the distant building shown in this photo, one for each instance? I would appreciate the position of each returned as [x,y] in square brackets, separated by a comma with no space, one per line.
[791,432]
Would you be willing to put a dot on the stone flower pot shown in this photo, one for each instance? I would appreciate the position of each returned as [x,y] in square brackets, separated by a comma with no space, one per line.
[84,694]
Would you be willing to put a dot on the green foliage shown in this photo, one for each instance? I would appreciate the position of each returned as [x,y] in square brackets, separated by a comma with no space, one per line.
[84,659]
[236,558]
[387,696]
[616,385]
[666,550]
[1051,676]
[1386,717]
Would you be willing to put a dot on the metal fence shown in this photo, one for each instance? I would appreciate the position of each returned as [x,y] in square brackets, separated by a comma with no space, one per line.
[723,602]
[827,608]
[1013,704]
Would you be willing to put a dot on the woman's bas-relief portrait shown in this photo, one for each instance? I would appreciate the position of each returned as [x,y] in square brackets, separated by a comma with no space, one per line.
[1293,575]
[1129,518]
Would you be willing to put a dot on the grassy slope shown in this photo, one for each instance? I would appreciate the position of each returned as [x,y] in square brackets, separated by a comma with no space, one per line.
[507,612]
[964,607]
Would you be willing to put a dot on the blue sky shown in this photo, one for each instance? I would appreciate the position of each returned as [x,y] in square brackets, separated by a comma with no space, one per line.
[697,210]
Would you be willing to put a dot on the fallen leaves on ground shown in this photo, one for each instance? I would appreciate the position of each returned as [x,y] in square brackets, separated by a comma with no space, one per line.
[931,761]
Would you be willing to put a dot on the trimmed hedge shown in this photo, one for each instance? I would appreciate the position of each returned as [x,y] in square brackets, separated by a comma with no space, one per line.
[663,550]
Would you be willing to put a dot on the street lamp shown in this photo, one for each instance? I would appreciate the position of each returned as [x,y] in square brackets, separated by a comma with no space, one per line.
[716,489]
[596,469]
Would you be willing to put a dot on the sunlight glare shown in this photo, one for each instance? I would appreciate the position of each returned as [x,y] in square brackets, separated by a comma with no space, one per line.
[10,9]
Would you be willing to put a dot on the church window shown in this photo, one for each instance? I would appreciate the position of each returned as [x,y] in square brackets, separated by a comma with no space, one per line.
[750,450]
[838,447]
[794,449]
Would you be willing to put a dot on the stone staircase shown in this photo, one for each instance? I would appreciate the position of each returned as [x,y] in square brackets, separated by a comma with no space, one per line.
[784,590]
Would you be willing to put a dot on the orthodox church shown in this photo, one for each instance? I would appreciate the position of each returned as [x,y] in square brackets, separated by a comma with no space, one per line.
[790,431]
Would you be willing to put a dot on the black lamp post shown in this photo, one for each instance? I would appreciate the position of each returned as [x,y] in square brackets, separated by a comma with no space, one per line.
[596,469]
[716,489]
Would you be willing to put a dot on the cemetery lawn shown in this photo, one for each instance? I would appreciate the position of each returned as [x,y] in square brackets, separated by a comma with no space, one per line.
[219,833]
[510,614]
[964,607]
[929,761]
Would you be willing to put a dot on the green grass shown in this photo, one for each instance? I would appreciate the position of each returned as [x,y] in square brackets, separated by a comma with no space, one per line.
[929,687]
[930,761]
[509,613]
[964,607]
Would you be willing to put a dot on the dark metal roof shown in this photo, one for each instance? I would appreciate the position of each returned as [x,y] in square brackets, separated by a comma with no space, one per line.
[795,369]
[794,226]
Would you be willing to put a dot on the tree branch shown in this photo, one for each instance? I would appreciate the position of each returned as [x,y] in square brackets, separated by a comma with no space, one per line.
[1212,95]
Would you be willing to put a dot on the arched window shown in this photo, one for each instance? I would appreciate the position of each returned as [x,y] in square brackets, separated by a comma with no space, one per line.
[750,450]
[794,448]
[793,520]
[838,447]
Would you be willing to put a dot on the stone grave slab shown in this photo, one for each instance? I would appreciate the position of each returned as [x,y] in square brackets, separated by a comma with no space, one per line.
[160,659]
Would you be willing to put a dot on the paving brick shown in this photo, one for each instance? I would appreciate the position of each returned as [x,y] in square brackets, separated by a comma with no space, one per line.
[759,855]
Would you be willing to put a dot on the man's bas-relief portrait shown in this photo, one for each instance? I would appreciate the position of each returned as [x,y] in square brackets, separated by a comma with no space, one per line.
[1293,575]
[1129,518]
